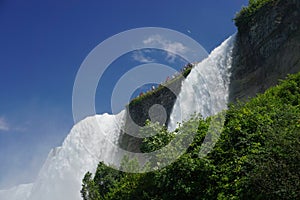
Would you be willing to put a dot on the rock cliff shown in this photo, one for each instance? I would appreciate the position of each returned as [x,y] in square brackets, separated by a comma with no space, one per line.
[156,106]
[267,48]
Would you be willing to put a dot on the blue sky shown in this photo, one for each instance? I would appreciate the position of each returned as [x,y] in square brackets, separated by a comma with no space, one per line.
[42,45]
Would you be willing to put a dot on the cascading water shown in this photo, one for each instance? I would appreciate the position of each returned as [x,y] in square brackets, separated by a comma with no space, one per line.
[60,178]
[205,90]
[89,142]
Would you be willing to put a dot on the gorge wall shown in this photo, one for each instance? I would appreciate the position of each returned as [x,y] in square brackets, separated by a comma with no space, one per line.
[267,48]
[154,105]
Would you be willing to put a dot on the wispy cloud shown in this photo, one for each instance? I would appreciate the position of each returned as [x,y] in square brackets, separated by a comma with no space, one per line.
[4,126]
[141,57]
[7,126]
[172,48]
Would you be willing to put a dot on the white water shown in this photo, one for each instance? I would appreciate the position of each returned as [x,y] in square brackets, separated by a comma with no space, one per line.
[61,175]
[205,90]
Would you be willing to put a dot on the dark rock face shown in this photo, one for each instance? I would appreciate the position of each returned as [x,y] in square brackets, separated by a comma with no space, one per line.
[267,49]
[156,107]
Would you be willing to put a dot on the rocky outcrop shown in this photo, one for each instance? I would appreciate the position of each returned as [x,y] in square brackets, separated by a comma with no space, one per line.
[156,106]
[267,49]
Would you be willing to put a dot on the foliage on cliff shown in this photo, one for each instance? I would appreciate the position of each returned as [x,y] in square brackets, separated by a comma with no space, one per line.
[256,157]
[247,13]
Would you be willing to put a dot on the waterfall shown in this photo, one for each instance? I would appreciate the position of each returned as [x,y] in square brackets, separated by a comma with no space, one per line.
[91,140]
[206,89]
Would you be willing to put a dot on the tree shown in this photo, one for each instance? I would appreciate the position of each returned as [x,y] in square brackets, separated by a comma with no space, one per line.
[89,190]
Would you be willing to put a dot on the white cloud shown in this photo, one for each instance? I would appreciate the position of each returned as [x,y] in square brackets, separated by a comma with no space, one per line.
[139,56]
[172,48]
[4,126]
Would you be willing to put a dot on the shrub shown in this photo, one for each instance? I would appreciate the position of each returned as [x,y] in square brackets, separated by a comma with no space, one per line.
[246,14]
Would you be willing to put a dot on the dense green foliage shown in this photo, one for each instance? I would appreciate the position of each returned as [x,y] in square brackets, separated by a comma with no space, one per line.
[256,157]
[247,13]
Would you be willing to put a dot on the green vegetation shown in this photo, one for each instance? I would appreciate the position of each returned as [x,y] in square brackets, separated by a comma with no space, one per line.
[247,13]
[256,157]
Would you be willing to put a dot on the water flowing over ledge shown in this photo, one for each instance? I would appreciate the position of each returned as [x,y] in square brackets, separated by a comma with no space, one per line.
[206,89]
